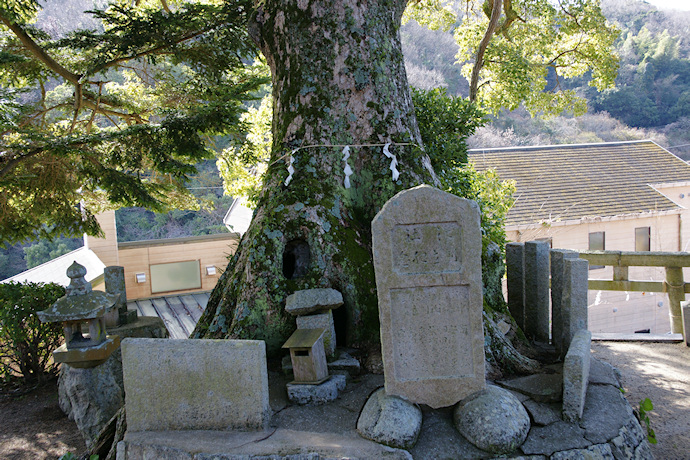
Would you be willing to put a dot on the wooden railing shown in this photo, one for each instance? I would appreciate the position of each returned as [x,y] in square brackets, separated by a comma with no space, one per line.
[674,286]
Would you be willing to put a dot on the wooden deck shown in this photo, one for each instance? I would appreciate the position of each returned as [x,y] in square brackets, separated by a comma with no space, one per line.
[180,313]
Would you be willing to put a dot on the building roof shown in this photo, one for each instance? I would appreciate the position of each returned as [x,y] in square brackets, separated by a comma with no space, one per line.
[55,271]
[239,216]
[569,182]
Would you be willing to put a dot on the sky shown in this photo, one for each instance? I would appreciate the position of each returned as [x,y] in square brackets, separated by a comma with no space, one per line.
[671,4]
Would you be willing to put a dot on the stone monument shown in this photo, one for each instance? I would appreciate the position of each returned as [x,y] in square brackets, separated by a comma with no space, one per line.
[427,258]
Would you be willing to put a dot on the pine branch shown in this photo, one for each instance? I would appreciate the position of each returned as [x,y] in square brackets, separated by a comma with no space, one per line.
[40,53]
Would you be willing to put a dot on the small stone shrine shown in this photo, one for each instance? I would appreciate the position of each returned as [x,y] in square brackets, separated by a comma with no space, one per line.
[81,304]
[427,258]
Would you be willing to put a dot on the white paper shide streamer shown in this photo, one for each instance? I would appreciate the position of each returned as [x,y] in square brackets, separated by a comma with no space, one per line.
[290,168]
[394,161]
[347,170]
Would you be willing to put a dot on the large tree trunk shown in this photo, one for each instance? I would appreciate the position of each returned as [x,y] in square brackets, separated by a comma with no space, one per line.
[338,79]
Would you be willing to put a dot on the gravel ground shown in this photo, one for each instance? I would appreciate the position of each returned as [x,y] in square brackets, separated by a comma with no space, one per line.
[32,427]
[660,372]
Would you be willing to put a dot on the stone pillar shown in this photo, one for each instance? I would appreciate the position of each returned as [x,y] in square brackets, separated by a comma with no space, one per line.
[537,291]
[115,284]
[557,267]
[515,268]
[574,304]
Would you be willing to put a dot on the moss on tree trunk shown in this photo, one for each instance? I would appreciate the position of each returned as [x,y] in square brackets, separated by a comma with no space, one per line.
[338,79]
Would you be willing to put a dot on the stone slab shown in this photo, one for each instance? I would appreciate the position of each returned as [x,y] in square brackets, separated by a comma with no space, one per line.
[576,375]
[427,260]
[515,281]
[537,325]
[603,373]
[543,414]
[574,306]
[312,300]
[439,439]
[557,269]
[540,387]
[605,413]
[595,452]
[321,321]
[164,391]
[545,440]
[238,445]
[345,362]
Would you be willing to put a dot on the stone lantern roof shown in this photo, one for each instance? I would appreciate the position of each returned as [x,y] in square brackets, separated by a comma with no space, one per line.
[80,302]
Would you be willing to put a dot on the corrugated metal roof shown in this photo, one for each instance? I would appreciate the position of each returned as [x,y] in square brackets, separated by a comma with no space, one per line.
[180,313]
[55,271]
[564,182]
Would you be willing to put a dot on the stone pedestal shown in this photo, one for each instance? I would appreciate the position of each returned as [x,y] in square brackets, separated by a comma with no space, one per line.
[316,394]
[90,397]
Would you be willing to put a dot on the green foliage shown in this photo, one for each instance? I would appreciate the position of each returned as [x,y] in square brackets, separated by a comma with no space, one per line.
[44,250]
[646,406]
[26,344]
[71,456]
[445,122]
[242,167]
[536,41]
[136,105]
[653,87]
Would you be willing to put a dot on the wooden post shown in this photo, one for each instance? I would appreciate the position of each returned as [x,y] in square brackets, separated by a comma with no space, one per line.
[675,287]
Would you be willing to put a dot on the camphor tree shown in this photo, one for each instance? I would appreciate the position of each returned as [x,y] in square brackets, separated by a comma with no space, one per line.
[342,110]
[345,138]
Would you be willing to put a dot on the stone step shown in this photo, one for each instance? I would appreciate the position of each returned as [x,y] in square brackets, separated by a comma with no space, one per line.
[615,337]
[201,445]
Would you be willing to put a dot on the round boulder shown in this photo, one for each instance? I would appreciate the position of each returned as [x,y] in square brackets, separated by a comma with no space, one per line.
[493,420]
[390,420]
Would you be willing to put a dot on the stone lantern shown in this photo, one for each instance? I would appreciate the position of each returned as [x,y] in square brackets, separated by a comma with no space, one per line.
[82,306]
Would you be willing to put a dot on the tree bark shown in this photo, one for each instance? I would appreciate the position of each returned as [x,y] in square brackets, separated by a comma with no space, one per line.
[338,79]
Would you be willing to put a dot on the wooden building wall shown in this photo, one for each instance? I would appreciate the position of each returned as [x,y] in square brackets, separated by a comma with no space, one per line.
[137,257]
[105,248]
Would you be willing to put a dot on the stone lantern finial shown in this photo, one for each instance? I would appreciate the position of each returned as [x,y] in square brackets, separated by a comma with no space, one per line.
[78,284]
